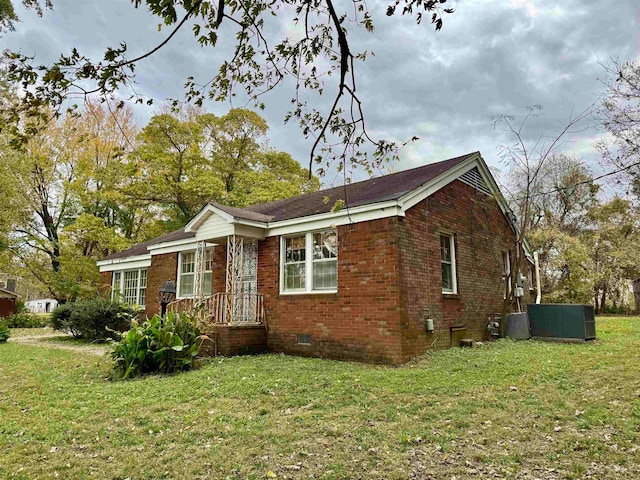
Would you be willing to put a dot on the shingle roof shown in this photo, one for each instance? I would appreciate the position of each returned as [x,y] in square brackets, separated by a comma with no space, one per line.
[243,213]
[8,293]
[374,190]
[141,248]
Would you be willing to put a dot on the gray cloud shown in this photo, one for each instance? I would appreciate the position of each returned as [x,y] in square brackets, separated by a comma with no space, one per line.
[489,58]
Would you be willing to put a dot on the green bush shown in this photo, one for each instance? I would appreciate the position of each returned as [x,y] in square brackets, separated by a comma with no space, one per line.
[24,320]
[95,319]
[157,345]
[4,332]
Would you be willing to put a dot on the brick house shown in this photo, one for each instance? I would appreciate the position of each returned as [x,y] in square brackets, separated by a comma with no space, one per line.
[421,247]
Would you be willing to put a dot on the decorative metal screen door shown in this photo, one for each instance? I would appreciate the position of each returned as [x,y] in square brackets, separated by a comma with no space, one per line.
[249,281]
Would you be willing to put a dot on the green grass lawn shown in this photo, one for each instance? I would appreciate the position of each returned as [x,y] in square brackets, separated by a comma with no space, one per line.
[509,410]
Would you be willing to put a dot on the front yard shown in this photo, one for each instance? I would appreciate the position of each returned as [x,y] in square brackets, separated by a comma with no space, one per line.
[509,410]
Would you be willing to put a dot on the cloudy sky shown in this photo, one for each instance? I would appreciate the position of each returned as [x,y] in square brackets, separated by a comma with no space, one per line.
[491,57]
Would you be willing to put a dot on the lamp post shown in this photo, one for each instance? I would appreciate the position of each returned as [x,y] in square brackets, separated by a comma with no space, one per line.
[166,295]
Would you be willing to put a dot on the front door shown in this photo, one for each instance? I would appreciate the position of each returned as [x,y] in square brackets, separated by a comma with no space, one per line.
[246,303]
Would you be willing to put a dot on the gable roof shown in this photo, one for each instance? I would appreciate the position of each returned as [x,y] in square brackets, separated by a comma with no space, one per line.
[375,190]
[396,187]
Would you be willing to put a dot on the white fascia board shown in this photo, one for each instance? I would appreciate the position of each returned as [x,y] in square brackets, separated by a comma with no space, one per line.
[113,261]
[416,196]
[183,247]
[174,243]
[324,221]
[125,264]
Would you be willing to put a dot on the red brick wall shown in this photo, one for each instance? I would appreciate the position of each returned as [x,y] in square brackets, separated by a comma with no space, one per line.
[481,234]
[235,340]
[163,268]
[105,284]
[219,274]
[362,320]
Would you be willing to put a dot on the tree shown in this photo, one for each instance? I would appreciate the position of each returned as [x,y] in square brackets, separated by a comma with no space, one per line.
[527,160]
[320,60]
[58,216]
[8,15]
[613,242]
[559,203]
[185,161]
[620,116]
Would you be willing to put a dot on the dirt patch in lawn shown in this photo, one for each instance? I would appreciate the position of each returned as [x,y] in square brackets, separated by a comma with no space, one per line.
[52,339]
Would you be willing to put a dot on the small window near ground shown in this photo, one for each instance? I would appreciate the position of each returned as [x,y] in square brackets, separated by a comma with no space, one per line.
[447,263]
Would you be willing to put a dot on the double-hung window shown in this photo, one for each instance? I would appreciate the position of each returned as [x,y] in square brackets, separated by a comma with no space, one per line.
[309,263]
[448,263]
[187,273]
[130,286]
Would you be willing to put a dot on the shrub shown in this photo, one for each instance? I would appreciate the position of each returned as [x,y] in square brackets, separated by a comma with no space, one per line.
[61,319]
[95,319]
[24,320]
[157,345]
[4,332]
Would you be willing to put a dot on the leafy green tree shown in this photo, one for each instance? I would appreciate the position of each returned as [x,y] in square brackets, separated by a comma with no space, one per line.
[530,164]
[613,242]
[261,59]
[54,224]
[8,16]
[183,163]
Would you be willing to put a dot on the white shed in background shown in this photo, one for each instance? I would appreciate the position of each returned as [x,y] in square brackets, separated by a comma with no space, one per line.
[42,305]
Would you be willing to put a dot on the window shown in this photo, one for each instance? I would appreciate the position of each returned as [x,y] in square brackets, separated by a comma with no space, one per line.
[130,286]
[142,290]
[187,273]
[325,260]
[448,263]
[116,288]
[310,263]
[295,263]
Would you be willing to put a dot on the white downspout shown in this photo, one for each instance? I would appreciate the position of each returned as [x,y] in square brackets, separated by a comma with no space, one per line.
[537,264]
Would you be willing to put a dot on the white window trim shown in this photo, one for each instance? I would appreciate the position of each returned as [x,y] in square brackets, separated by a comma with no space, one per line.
[308,290]
[454,273]
[121,285]
[179,272]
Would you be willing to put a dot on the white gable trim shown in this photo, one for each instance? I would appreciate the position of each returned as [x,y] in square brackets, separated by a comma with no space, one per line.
[209,210]
[127,263]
